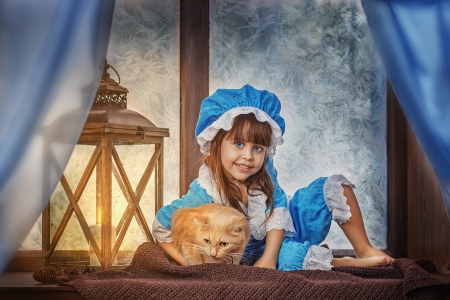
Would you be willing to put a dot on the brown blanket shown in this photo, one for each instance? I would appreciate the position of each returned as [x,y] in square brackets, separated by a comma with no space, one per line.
[152,276]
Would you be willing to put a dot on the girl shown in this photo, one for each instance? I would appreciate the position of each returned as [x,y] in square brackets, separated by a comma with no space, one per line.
[238,131]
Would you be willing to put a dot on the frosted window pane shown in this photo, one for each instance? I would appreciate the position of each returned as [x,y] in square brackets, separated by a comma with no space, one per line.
[319,59]
[144,48]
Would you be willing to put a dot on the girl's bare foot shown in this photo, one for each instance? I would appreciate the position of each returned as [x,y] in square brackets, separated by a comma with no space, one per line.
[371,251]
[356,233]
[360,262]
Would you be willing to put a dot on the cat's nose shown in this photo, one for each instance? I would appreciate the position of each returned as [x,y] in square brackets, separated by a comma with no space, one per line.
[213,253]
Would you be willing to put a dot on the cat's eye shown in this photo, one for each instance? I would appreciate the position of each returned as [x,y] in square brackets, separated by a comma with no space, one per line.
[206,241]
[223,244]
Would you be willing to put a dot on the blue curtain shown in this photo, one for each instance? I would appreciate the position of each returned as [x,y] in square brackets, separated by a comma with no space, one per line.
[413,38]
[52,55]
[51,60]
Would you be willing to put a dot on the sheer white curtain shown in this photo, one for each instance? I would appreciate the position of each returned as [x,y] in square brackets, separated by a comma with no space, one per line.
[413,38]
[52,55]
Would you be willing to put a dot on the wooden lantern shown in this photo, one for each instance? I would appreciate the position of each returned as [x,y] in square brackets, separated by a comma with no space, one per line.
[109,124]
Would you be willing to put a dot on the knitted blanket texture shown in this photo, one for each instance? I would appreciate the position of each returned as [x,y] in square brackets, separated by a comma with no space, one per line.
[152,276]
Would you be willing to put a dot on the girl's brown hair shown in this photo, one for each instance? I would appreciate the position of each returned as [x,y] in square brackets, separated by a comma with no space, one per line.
[245,128]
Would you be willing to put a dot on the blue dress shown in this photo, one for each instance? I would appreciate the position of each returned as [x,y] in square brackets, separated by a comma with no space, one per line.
[306,219]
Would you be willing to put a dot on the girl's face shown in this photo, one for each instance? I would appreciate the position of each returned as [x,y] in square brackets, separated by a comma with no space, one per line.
[241,159]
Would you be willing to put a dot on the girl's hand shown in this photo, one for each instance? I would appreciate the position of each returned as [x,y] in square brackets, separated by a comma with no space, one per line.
[265,262]
[173,252]
[269,258]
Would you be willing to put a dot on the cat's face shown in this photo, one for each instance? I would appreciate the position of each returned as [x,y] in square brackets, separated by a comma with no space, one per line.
[211,233]
[221,244]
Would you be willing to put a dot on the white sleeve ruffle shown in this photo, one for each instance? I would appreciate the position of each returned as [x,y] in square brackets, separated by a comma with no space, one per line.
[334,197]
[281,219]
[160,233]
[318,258]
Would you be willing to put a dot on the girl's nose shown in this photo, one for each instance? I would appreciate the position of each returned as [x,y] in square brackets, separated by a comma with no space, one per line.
[247,153]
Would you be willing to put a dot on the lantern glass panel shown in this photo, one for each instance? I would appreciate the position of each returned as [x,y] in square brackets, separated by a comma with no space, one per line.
[72,246]
[133,183]
[134,159]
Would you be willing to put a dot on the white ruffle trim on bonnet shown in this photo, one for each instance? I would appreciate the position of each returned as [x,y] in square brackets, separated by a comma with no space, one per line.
[225,122]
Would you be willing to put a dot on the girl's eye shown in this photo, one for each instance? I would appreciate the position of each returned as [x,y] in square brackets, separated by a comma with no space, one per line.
[258,148]
[223,244]
[206,241]
[238,144]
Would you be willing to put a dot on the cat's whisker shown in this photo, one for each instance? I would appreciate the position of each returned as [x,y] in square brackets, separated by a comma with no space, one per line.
[234,254]
[193,245]
[190,244]
[250,255]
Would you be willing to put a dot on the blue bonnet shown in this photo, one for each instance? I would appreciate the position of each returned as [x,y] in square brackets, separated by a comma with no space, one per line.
[219,110]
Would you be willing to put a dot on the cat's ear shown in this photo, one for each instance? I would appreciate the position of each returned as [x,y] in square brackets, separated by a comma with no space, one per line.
[238,225]
[201,221]
[237,229]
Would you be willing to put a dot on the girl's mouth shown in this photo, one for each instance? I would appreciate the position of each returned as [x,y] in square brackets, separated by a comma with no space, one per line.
[243,167]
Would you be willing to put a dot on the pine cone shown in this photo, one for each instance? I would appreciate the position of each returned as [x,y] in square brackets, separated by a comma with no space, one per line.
[88,270]
[71,272]
[47,275]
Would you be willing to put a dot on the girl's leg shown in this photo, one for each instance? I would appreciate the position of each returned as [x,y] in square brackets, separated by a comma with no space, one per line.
[359,262]
[356,233]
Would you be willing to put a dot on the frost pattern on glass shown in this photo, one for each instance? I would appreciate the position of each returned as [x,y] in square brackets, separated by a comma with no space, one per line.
[318,57]
[144,48]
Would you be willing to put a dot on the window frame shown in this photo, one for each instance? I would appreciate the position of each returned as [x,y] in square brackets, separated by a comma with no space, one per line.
[194,87]
[194,75]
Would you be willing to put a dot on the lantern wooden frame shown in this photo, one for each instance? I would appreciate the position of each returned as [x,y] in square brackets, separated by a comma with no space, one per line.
[110,123]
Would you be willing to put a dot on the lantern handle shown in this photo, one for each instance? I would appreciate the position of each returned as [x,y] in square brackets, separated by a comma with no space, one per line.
[116,73]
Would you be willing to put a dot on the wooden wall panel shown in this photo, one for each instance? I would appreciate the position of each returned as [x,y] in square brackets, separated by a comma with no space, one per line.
[194,81]
[428,225]
[397,177]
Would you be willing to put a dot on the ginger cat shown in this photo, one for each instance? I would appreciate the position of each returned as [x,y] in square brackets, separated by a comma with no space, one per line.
[211,233]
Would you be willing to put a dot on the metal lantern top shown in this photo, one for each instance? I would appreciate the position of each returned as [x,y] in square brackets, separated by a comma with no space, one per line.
[109,110]
[110,93]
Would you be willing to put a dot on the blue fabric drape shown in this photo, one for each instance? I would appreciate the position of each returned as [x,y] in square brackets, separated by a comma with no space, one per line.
[413,38]
[52,55]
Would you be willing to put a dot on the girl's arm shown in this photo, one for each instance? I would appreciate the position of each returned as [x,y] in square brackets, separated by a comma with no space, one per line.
[173,252]
[195,197]
[273,244]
